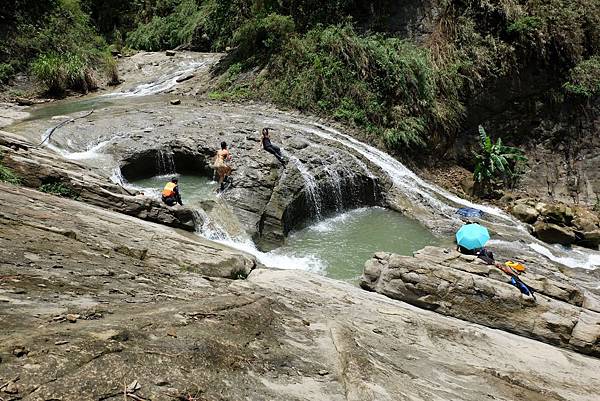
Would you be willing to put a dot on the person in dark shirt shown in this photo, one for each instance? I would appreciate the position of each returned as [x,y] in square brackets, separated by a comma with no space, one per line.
[270,147]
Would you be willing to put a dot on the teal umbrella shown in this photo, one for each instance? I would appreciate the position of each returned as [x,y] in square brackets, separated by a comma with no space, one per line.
[472,236]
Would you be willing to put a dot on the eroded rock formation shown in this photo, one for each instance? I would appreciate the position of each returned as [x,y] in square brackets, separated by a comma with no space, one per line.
[559,223]
[462,286]
[90,311]
[37,167]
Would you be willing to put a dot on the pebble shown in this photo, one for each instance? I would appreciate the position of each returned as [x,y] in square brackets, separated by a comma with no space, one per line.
[73,317]
[323,372]
[19,352]
[12,388]
[175,102]
[63,342]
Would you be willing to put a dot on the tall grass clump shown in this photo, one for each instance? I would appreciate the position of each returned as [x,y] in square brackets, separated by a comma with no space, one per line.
[7,175]
[49,69]
[62,72]
[112,73]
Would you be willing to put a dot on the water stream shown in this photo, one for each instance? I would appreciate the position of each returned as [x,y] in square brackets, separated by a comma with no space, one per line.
[442,205]
[337,247]
[314,248]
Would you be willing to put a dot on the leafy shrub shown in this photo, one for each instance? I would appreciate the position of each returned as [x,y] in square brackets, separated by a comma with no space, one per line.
[496,163]
[584,79]
[59,189]
[525,25]
[264,36]
[6,71]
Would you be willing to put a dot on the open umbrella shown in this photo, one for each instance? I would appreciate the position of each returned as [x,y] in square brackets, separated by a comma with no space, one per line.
[472,236]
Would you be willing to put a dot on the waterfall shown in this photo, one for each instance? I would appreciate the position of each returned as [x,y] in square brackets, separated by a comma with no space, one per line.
[163,83]
[117,177]
[165,164]
[442,203]
[310,186]
[211,230]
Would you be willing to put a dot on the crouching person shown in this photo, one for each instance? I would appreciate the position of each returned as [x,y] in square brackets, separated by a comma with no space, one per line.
[170,195]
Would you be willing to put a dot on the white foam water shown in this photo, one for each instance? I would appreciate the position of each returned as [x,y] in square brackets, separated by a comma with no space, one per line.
[574,257]
[163,83]
[435,198]
[92,150]
[212,231]
[310,185]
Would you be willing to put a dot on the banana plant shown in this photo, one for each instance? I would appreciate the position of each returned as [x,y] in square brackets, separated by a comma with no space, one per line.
[496,163]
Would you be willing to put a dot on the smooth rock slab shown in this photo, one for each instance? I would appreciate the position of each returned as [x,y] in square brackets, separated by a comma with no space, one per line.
[448,283]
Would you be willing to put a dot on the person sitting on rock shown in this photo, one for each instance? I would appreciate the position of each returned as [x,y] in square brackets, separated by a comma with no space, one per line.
[269,147]
[220,165]
[170,195]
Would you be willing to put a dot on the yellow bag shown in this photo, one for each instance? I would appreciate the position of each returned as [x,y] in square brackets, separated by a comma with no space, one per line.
[518,267]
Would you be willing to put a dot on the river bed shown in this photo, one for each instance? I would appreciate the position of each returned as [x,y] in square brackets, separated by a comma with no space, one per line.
[337,246]
[140,116]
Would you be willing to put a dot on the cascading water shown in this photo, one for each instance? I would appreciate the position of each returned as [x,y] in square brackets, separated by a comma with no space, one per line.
[310,186]
[211,230]
[165,164]
[442,203]
[164,82]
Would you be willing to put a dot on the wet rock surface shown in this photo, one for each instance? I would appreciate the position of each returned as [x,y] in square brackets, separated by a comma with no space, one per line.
[96,305]
[37,167]
[463,286]
[320,177]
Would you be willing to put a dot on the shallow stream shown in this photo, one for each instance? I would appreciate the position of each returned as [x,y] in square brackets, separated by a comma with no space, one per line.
[337,246]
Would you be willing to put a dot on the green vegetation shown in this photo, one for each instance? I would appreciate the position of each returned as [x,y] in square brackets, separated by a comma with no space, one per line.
[55,40]
[584,79]
[525,25]
[174,24]
[59,189]
[59,73]
[341,59]
[404,94]
[385,85]
[6,71]
[8,176]
[496,164]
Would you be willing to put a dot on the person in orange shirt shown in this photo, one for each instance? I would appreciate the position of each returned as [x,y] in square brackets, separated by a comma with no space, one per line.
[170,195]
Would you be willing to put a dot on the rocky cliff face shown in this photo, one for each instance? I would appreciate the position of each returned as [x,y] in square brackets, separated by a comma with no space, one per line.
[562,141]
